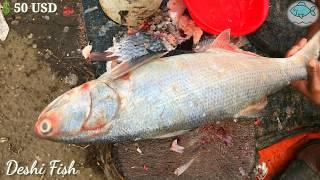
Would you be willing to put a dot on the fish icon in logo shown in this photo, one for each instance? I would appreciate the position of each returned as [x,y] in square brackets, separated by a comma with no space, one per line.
[301,10]
[303,13]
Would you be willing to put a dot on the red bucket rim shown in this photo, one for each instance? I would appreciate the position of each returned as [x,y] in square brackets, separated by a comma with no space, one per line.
[213,28]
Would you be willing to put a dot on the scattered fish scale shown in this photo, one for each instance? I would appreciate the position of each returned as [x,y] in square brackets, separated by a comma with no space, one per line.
[136,45]
[158,33]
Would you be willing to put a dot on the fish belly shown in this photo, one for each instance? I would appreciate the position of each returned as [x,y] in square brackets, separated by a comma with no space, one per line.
[182,92]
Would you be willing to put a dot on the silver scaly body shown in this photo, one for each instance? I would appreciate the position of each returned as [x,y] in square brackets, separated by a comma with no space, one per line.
[182,92]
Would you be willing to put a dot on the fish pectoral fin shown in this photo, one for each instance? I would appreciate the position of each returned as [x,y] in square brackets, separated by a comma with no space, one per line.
[254,110]
[172,134]
[102,56]
[129,65]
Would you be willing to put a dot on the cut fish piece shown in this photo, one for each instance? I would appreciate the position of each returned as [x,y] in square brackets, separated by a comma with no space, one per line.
[184,167]
[86,51]
[176,147]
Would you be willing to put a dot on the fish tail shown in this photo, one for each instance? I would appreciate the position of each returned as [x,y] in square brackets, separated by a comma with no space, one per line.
[310,51]
[296,65]
[313,10]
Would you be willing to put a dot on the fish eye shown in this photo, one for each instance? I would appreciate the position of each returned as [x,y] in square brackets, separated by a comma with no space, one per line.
[45,126]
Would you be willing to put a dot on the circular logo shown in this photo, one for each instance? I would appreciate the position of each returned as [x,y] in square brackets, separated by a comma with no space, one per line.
[303,13]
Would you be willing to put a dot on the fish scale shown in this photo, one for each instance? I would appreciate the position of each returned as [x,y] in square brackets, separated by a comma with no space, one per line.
[135,45]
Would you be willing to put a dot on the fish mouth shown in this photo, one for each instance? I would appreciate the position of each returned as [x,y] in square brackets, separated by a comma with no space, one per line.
[49,107]
[51,114]
[45,117]
[78,118]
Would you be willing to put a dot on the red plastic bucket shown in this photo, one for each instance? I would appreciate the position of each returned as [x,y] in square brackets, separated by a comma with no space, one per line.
[241,16]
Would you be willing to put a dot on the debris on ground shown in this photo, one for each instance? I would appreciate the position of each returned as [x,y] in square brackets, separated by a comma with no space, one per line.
[242,172]
[86,51]
[30,36]
[46,17]
[289,111]
[48,54]
[71,79]
[183,168]
[4,139]
[89,10]
[280,127]
[176,10]
[106,27]
[176,147]
[38,158]
[261,171]
[138,148]
[66,29]
[222,134]
[258,122]
[15,22]
[145,167]
[4,28]
[67,11]
[211,131]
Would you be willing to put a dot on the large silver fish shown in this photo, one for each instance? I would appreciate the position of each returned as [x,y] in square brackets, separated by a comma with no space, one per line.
[171,95]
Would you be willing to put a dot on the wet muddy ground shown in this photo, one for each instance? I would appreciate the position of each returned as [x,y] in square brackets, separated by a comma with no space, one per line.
[40,60]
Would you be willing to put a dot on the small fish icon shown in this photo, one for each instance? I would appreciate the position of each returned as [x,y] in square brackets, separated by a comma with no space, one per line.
[301,10]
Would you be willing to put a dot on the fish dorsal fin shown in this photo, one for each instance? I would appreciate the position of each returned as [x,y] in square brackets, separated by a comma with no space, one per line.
[223,41]
[130,65]
[301,3]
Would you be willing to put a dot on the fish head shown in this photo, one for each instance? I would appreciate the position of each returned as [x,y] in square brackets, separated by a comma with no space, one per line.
[79,115]
[294,11]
